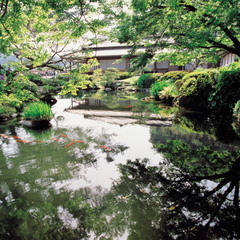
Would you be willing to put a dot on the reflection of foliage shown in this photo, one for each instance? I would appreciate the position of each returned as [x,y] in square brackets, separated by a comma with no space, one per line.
[170,202]
[218,126]
[164,111]
[141,112]
[193,160]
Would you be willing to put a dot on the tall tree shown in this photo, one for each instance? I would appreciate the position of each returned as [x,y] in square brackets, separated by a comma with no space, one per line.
[49,32]
[188,29]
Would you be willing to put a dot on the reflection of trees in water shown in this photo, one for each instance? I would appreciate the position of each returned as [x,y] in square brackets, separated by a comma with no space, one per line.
[179,199]
[23,219]
[36,199]
[197,130]
[218,126]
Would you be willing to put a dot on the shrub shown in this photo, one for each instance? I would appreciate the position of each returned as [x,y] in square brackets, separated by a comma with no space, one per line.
[64,77]
[227,92]
[20,82]
[197,87]
[36,78]
[38,111]
[157,87]
[108,77]
[124,75]
[236,110]
[23,89]
[174,75]
[146,80]
[168,93]
[6,110]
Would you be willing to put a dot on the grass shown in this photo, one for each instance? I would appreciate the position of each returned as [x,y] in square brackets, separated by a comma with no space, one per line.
[38,111]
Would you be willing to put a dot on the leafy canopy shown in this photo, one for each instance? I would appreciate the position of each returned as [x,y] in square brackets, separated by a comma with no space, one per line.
[190,29]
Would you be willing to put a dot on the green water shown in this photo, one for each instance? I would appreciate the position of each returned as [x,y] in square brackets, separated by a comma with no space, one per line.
[112,183]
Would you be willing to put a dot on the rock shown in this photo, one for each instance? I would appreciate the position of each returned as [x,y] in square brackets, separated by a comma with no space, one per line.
[40,124]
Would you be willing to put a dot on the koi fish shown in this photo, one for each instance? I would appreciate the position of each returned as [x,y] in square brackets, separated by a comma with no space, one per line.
[16,137]
[78,141]
[55,139]
[71,143]
[4,136]
[107,148]
[130,106]
[38,141]
[63,135]
[124,197]
[23,141]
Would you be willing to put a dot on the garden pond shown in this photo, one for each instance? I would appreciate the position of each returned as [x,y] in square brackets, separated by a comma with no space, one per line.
[112,166]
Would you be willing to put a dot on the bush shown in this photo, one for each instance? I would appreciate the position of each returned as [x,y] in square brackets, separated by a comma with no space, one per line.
[157,87]
[227,92]
[174,75]
[123,75]
[236,110]
[168,93]
[146,80]
[196,82]
[108,77]
[64,77]
[36,78]
[22,89]
[196,88]
[38,111]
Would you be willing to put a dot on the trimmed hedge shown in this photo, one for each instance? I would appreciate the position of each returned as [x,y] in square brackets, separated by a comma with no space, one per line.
[195,88]
[174,75]
[227,92]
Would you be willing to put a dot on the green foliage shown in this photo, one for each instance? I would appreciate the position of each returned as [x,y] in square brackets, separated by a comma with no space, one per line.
[6,110]
[36,78]
[174,75]
[158,86]
[236,110]
[124,75]
[199,29]
[64,77]
[196,88]
[226,93]
[193,160]
[146,80]
[38,111]
[79,78]
[108,77]
[168,93]
[22,88]
[198,82]
[232,66]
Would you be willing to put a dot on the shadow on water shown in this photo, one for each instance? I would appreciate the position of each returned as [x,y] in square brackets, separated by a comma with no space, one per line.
[86,179]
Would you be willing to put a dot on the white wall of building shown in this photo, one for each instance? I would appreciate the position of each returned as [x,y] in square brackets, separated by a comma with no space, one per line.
[227,60]
[107,63]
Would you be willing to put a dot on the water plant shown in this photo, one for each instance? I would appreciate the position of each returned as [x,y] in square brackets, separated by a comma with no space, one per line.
[38,111]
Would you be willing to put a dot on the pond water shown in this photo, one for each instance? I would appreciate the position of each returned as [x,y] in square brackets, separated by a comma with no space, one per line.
[142,171]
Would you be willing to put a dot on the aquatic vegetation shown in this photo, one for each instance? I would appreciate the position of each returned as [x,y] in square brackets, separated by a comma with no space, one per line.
[38,111]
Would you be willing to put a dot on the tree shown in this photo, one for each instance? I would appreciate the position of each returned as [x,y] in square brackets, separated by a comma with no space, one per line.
[188,29]
[49,32]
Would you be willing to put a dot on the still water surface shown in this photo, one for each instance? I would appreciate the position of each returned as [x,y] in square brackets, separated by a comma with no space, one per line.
[90,179]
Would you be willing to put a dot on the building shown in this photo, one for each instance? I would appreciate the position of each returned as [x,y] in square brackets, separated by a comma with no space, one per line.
[109,53]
